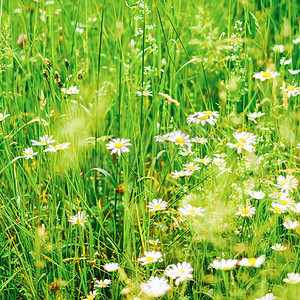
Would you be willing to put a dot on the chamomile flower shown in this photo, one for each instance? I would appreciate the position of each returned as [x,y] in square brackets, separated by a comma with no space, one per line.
[157,204]
[72,90]
[150,257]
[286,201]
[293,278]
[247,211]
[92,295]
[199,140]
[209,117]
[206,160]
[57,147]
[285,61]
[288,224]
[265,75]
[179,272]
[102,283]
[29,153]
[189,210]
[289,183]
[252,262]
[257,195]
[245,137]
[220,155]
[155,287]
[278,247]
[111,267]
[78,219]
[297,40]
[296,208]
[44,140]
[153,242]
[291,90]
[224,264]
[294,72]
[3,116]
[277,208]
[144,93]
[186,152]
[118,145]
[191,167]
[179,138]
[181,174]
[255,115]
[278,48]
[220,162]
[269,296]
[162,138]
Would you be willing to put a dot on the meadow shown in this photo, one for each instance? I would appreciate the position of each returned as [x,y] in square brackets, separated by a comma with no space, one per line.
[149,149]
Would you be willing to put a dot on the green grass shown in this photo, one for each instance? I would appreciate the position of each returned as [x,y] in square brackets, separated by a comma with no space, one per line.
[198,53]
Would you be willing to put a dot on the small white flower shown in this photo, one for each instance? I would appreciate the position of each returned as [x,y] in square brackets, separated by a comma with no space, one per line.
[153,242]
[291,90]
[191,167]
[181,174]
[189,210]
[296,208]
[252,262]
[290,225]
[257,195]
[3,116]
[179,138]
[162,138]
[155,287]
[92,295]
[206,160]
[277,208]
[278,48]
[73,90]
[111,267]
[285,61]
[269,296]
[203,117]
[199,140]
[102,283]
[254,116]
[179,272]
[293,278]
[224,264]
[150,257]
[186,152]
[297,40]
[278,247]
[294,72]
[29,153]
[287,184]
[220,162]
[78,219]
[265,75]
[220,155]
[44,140]
[118,146]
[157,204]
[246,212]
[57,147]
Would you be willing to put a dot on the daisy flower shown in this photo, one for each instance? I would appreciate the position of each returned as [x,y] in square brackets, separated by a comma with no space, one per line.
[29,153]
[285,61]
[293,278]
[3,116]
[278,48]
[179,272]
[162,138]
[102,283]
[179,138]
[297,40]
[269,296]
[252,262]
[78,219]
[191,167]
[157,204]
[150,257]
[255,115]
[245,137]
[144,93]
[186,152]
[224,264]
[155,287]
[246,212]
[265,75]
[296,208]
[220,162]
[278,247]
[206,160]
[286,201]
[220,155]
[57,147]
[181,174]
[189,210]
[287,184]
[292,90]
[118,145]
[203,117]
[290,225]
[199,140]
[44,140]
[92,295]
[257,195]
[73,90]
[277,208]
[111,267]
[294,72]
[153,242]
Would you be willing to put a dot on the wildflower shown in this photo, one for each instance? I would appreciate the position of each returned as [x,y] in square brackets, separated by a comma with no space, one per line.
[252,262]
[153,242]
[294,72]
[150,257]
[254,116]
[246,212]
[286,201]
[189,210]
[220,162]
[156,205]
[162,138]
[29,153]
[296,208]
[279,195]
[111,267]
[155,287]
[220,155]
[278,247]
[73,90]
[293,278]
[181,174]
[186,152]
[144,93]
[3,116]
[287,184]
[179,138]
[191,167]
[285,61]
[206,160]
[203,117]
[297,40]
[44,140]
[57,147]
[257,195]
[290,225]
[244,141]
[179,272]
[269,296]
[199,140]
[102,283]
[78,219]
[118,146]
[92,295]
[22,40]
[277,208]
[278,48]
[265,75]
[224,264]
[292,90]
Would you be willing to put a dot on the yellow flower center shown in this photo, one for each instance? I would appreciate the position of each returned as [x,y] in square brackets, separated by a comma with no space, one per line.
[203,118]
[252,261]
[283,202]
[145,93]
[291,88]
[180,140]
[181,271]
[79,221]
[293,281]
[29,154]
[102,284]
[149,259]
[119,145]
[277,208]
[157,207]
[1,118]
[278,248]
[208,112]
[152,242]
[266,75]
[58,146]
[202,160]
[191,168]
[43,143]
[226,268]
[199,141]
[91,297]
[239,145]
[242,140]
[244,211]
[192,211]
